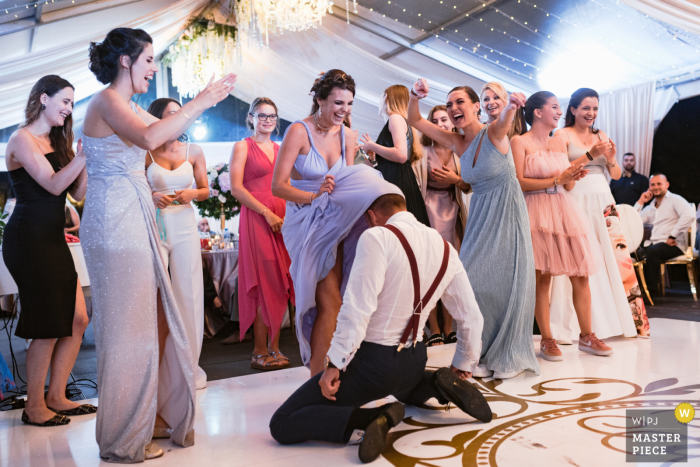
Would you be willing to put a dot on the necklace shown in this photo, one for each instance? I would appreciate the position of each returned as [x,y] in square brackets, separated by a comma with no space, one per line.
[319,127]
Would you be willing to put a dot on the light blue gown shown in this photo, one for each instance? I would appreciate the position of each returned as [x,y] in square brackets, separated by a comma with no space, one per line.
[312,232]
[497,255]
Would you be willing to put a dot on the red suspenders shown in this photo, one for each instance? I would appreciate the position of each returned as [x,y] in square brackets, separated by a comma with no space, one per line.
[412,326]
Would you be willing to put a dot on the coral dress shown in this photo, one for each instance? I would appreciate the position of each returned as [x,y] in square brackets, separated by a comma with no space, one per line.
[263,266]
[559,229]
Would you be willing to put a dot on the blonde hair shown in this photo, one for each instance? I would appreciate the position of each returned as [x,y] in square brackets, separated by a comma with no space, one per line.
[396,101]
[518,127]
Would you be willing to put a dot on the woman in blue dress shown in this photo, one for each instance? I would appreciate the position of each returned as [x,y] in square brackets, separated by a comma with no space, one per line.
[326,199]
[497,247]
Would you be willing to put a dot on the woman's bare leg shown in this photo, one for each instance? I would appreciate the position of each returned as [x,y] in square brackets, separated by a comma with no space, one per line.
[163,332]
[543,282]
[260,332]
[64,354]
[582,303]
[328,301]
[38,360]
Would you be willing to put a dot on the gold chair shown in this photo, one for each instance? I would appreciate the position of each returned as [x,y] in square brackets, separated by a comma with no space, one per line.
[639,267]
[687,259]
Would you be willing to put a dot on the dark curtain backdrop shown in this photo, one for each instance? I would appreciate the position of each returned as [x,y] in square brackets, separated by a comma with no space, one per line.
[676,150]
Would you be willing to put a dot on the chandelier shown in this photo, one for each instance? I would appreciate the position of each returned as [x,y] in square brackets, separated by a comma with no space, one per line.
[257,19]
[203,49]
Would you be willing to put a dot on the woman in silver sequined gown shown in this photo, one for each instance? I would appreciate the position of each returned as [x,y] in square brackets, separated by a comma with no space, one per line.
[121,245]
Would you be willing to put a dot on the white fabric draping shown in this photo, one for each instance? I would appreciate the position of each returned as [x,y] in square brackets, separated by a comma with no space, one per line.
[70,61]
[286,70]
[627,117]
[683,14]
[664,99]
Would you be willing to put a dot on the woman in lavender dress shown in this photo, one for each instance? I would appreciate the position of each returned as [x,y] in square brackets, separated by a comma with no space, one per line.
[326,199]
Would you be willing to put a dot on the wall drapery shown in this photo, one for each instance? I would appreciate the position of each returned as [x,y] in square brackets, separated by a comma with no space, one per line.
[683,14]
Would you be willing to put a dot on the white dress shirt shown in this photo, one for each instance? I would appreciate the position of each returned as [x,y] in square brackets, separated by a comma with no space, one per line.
[672,219]
[378,300]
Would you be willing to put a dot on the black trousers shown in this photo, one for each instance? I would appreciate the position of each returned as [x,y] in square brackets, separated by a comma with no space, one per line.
[377,371]
[656,254]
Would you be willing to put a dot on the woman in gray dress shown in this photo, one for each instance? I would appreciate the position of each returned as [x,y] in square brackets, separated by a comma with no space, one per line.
[121,246]
[497,247]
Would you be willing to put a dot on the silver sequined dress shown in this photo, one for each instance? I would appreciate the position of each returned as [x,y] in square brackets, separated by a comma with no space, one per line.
[120,241]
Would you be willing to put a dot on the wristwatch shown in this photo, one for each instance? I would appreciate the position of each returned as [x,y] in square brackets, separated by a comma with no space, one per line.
[329,363]
[671,237]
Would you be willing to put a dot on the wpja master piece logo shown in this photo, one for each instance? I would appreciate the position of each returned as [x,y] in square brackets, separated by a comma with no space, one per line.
[658,435]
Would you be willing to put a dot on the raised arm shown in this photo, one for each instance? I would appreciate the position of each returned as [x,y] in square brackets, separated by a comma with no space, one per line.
[26,153]
[122,120]
[498,130]
[416,120]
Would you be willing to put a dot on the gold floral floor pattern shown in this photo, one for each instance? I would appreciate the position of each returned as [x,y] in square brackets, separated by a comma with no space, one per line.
[572,414]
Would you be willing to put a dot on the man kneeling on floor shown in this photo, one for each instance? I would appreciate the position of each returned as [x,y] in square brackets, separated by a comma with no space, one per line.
[401,269]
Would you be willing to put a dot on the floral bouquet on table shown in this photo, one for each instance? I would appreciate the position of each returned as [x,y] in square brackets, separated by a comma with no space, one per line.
[221,202]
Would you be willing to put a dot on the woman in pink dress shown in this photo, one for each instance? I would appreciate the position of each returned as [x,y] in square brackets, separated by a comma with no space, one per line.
[560,232]
[264,283]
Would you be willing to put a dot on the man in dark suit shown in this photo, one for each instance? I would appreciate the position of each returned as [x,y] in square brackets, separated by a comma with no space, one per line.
[629,188]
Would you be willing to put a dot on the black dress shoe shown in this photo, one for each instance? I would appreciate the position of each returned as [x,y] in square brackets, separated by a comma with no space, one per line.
[56,420]
[374,439]
[85,409]
[462,394]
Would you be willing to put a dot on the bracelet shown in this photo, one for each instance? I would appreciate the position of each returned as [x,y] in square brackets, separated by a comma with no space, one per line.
[556,181]
[264,211]
[311,198]
[415,95]
[611,165]
[588,155]
[183,113]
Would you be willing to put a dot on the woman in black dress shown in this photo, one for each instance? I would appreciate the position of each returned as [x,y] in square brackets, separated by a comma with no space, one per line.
[396,149]
[43,168]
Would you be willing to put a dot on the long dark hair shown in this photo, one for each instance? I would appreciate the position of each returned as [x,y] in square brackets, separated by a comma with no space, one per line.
[157,108]
[105,55]
[534,102]
[328,81]
[61,137]
[424,139]
[576,98]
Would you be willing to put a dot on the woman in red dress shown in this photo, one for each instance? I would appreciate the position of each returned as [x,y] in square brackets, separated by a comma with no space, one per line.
[264,283]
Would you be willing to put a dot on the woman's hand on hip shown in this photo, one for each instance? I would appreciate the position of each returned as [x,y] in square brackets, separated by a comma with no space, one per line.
[273,220]
[161,200]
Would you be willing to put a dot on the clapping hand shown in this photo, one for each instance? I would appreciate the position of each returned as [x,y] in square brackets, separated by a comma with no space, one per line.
[600,148]
[572,173]
[79,152]
[421,87]
[366,143]
[611,153]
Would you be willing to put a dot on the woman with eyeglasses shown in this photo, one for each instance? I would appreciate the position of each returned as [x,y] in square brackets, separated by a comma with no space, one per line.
[264,283]
[171,170]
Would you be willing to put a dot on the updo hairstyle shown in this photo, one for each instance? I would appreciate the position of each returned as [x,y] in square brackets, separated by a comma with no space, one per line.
[534,102]
[105,56]
[328,81]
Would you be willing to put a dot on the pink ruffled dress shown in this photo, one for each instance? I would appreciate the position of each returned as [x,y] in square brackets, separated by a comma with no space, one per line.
[560,231]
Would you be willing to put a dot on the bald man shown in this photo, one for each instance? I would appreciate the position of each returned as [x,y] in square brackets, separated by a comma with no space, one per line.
[671,216]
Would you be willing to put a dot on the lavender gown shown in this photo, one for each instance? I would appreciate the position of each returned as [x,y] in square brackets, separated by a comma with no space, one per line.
[312,232]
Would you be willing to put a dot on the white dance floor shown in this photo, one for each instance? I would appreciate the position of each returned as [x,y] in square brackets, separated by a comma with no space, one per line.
[570,415]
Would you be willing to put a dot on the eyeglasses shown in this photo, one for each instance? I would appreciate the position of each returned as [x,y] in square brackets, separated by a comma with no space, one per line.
[265,117]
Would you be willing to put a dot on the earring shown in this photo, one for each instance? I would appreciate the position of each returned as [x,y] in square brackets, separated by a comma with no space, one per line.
[319,111]
[43,106]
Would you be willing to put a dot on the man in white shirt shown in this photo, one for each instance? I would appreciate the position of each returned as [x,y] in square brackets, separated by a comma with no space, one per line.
[671,216]
[365,361]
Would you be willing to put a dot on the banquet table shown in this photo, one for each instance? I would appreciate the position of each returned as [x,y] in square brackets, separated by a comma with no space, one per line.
[223,267]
